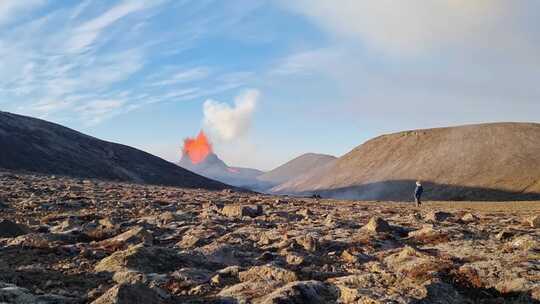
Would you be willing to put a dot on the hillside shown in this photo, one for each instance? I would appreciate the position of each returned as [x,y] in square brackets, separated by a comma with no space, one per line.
[35,145]
[215,168]
[498,161]
[296,167]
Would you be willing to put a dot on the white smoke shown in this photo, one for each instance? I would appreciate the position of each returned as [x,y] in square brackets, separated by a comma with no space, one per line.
[231,122]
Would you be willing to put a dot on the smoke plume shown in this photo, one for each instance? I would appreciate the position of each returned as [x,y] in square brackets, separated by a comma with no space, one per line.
[231,122]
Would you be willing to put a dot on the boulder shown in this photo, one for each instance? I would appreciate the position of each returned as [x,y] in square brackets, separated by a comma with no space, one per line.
[377,224]
[187,277]
[437,216]
[129,294]
[147,260]
[134,236]
[129,277]
[10,293]
[226,276]
[533,221]
[504,235]
[308,242]
[469,218]
[268,273]
[313,292]
[236,210]
[9,229]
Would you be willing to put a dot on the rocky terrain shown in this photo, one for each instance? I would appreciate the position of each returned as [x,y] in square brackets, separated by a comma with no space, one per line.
[34,145]
[87,241]
[497,161]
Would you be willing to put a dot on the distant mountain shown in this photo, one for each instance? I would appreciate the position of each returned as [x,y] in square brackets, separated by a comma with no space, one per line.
[296,167]
[34,145]
[498,161]
[213,167]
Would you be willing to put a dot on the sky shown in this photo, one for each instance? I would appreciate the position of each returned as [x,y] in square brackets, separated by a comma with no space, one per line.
[268,80]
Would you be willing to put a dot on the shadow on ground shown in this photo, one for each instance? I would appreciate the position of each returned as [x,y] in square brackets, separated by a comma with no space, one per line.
[402,190]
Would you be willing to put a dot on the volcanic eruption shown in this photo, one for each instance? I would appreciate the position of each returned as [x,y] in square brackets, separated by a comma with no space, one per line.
[198,148]
[198,156]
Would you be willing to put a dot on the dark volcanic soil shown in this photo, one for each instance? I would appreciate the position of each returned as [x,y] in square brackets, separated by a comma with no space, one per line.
[79,241]
[34,145]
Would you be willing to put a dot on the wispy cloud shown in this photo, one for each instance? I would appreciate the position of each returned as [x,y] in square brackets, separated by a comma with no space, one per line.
[9,9]
[90,61]
[85,34]
[184,76]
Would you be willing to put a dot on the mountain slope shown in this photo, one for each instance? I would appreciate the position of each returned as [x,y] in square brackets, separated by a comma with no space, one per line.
[36,145]
[498,161]
[215,168]
[296,167]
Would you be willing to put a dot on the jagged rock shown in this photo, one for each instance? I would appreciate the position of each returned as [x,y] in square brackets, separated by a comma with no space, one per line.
[308,242]
[10,293]
[247,291]
[192,276]
[438,216]
[534,221]
[415,264]
[428,234]
[147,260]
[504,235]
[377,224]
[98,230]
[129,294]
[313,292]
[268,273]
[526,242]
[9,229]
[348,257]
[68,224]
[469,218]
[134,236]
[305,213]
[223,254]
[190,241]
[499,275]
[226,276]
[235,210]
[32,240]
[129,277]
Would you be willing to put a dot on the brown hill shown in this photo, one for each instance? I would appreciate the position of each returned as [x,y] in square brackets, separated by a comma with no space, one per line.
[499,161]
[296,167]
[34,145]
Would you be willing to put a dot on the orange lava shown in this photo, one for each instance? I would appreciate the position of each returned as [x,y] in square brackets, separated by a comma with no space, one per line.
[197,148]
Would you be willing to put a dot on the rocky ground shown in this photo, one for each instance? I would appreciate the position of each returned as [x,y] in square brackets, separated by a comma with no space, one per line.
[83,241]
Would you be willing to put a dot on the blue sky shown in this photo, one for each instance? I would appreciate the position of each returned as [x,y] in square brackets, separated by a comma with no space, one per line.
[268,80]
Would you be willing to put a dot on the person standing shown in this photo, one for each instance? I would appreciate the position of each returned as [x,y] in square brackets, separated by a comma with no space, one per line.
[418,193]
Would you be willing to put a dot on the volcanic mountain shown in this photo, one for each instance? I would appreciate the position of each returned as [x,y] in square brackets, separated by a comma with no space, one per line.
[499,161]
[213,167]
[34,145]
[296,167]
[198,157]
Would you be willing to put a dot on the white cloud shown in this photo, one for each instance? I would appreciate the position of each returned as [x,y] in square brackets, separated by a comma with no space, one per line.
[9,9]
[188,75]
[85,34]
[414,26]
[230,123]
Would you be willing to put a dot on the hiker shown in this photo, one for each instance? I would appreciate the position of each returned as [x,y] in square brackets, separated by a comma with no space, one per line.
[418,193]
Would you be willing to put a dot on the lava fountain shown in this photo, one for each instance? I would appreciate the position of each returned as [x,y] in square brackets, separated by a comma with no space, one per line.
[198,148]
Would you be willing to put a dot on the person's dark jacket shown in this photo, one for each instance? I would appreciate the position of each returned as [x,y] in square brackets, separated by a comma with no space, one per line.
[418,191]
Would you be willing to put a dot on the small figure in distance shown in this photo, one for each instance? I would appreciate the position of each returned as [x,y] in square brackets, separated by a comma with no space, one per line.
[418,193]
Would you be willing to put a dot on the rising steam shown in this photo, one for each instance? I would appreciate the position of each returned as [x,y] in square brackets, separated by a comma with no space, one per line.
[229,123]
